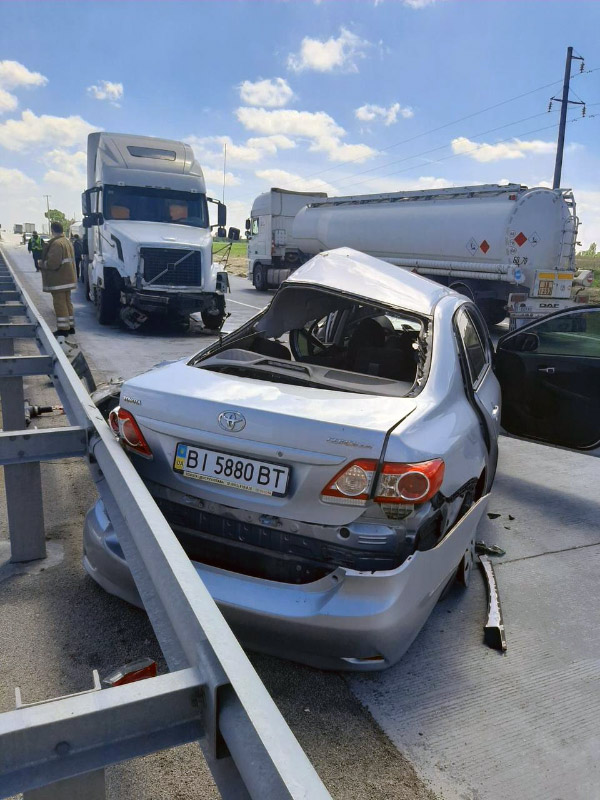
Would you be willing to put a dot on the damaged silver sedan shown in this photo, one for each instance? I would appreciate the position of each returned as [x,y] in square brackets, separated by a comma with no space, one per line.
[325,466]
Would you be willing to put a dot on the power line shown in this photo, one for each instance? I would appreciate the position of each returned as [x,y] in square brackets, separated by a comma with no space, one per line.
[472,150]
[440,127]
[443,146]
[447,125]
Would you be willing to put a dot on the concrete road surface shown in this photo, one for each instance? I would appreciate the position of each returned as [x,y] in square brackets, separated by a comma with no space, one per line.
[476,725]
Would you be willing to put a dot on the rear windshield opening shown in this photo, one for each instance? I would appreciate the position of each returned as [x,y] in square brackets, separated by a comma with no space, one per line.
[320,339]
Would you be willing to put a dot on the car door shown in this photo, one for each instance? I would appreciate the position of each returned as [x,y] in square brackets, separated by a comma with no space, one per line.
[549,372]
[481,386]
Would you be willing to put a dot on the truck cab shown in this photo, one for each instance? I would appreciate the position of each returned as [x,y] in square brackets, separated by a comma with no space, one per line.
[272,251]
[149,233]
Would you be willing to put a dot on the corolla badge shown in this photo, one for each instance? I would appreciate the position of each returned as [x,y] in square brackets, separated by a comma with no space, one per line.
[232,421]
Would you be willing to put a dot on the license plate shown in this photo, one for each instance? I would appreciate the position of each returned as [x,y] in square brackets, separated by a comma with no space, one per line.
[546,288]
[228,470]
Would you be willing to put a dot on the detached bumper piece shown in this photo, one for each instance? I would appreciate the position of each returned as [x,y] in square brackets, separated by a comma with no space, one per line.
[493,630]
[155,302]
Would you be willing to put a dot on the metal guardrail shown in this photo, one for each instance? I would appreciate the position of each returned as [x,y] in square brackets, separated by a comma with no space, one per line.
[212,694]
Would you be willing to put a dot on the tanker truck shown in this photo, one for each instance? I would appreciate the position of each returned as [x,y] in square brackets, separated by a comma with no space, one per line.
[505,247]
[149,237]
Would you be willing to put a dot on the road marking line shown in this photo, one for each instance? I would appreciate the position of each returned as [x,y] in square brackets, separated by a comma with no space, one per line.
[258,308]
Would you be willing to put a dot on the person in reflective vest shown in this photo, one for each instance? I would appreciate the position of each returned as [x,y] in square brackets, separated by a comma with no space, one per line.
[58,278]
[35,246]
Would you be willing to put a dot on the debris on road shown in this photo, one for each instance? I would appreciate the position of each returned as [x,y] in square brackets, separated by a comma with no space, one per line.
[493,630]
[481,548]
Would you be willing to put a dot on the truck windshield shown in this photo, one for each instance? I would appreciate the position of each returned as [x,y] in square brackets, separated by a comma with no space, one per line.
[155,205]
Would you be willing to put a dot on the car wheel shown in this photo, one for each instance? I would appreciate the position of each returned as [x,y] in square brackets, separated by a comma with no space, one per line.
[464,289]
[259,278]
[465,568]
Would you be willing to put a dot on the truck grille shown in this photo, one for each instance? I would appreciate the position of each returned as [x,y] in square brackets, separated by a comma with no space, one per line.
[159,259]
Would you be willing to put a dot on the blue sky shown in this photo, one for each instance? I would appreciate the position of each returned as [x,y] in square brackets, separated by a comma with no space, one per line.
[335,95]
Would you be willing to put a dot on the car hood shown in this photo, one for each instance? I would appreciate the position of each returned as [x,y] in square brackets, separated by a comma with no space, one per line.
[158,234]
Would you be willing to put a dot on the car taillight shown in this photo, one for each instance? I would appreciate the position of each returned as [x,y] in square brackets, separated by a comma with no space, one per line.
[397,483]
[131,435]
[113,420]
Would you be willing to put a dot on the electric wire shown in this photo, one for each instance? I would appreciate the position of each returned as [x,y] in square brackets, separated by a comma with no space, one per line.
[440,127]
[467,152]
[443,146]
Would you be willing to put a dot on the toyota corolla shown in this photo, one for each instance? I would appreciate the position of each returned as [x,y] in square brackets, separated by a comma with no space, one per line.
[326,465]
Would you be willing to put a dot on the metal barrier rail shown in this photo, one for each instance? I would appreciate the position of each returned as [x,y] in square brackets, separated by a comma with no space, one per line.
[212,694]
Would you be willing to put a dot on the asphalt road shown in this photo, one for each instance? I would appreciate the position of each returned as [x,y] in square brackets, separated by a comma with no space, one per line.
[56,624]
[475,725]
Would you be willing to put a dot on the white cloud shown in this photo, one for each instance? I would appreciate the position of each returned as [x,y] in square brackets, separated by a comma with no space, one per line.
[376,185]
[67,169]
[107,90]
[31,130]
[339,54]
[369,112]
[418,3]
[271,93]
[8,102]
[317,126]
[282,179]
[588,211]
[209,149]
[516,148]
[214,177]
[15,180]
[14,74]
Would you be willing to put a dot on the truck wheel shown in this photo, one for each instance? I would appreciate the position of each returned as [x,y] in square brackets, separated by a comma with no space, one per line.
[259,278]
[86,282]
[107,300]
[212,321]
[494,312]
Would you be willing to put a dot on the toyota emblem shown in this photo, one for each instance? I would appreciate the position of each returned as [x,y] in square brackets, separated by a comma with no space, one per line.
[232,421]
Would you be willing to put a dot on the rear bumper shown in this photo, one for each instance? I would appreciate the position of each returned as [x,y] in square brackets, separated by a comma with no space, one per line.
[347,620]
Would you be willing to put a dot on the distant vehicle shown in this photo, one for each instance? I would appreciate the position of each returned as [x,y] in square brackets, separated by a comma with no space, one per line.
[28,227]
[149,240]
[485,242]
[326,465]
[17,228]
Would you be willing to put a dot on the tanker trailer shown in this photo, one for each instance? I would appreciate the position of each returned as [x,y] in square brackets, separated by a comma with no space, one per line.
[486,242]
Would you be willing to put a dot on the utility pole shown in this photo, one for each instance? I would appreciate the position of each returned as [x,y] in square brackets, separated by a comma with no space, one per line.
[224,168]
[564,101]
[47,196]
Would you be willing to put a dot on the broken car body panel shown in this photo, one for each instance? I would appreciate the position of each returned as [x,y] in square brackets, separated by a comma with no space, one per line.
[352,377]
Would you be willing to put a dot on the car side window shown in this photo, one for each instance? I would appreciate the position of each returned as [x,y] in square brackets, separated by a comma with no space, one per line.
[574,334]
[255,226]
[475,348]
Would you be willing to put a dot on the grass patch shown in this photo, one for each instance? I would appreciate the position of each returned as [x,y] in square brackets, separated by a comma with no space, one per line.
[238,249]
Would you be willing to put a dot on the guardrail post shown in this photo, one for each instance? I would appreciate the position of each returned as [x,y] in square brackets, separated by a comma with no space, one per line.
[23,482]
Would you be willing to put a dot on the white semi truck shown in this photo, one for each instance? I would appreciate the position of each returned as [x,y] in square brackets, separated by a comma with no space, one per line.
[488,242]
[148,232]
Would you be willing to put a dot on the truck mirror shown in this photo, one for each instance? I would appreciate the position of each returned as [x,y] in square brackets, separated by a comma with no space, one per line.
[221,233]
[248,225]
[87,222]
[233,234]
[86,206]
[221,215]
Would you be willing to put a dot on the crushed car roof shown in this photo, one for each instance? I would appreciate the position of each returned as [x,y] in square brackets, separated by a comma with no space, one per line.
[348,270]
